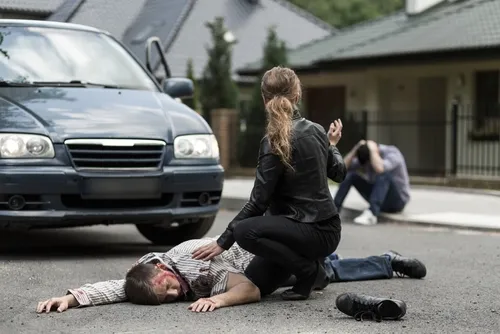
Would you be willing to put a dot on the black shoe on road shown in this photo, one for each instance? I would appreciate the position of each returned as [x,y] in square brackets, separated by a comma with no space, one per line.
[405,266]
[362,306]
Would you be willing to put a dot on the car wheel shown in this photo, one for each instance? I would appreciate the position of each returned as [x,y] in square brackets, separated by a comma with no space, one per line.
[165,234]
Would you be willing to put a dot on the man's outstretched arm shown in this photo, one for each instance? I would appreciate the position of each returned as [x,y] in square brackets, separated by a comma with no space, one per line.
[88,295]
[239,290]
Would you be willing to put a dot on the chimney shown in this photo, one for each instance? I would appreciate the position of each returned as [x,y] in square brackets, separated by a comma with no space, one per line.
[417,6]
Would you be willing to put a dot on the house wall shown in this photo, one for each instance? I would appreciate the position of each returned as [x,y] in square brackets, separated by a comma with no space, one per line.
[384,98]
[354,82]
[391,94]
[461,88]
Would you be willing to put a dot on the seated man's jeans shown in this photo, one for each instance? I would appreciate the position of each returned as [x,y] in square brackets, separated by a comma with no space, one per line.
[382,195]
[368,268]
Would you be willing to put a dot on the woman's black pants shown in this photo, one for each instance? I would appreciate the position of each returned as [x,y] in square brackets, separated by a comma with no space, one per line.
[284,247]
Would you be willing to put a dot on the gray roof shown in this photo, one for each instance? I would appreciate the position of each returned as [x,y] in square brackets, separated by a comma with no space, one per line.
[306,54]
[45,6]
[459,25]
[451,25]
[248,23]
[114,16]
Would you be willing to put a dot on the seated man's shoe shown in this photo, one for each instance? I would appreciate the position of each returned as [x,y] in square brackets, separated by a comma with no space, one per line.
[405,266]
[362,306]
[366,218]
[297,292]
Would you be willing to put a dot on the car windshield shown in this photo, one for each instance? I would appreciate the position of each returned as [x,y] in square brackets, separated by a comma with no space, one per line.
[39,54]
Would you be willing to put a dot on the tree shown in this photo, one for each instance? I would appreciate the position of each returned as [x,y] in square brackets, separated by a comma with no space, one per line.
[274,54]
[218,90]
[193,101]
[343,13]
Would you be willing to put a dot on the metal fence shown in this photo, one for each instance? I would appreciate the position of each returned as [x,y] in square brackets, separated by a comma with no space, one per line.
[475,143]
[434,144]
[437,143]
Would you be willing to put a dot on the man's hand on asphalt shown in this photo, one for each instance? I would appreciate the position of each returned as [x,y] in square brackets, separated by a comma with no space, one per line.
[204,305]
[61,303]
[208,252]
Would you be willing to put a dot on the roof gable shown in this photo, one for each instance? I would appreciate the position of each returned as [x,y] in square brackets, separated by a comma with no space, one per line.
[248,22]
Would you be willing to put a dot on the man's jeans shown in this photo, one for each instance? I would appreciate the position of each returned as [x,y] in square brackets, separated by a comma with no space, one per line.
[382,194]
[368,268]
[348,270]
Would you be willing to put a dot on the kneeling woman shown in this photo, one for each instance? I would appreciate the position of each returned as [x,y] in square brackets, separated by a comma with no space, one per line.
[301,224]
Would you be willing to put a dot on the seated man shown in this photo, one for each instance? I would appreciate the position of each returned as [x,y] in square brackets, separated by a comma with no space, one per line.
[379,174]
[174,276]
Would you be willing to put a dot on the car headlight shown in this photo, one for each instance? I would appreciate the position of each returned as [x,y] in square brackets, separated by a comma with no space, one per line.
[25,146]
[196,147]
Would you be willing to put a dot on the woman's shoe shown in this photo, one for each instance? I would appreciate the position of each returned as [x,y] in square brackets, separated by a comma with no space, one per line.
[296,293]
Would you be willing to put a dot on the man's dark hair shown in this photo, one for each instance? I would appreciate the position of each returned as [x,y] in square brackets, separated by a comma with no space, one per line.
[139,286]
[363,154]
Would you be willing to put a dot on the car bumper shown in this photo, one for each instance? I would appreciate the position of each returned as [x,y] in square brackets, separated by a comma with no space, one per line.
[53,196]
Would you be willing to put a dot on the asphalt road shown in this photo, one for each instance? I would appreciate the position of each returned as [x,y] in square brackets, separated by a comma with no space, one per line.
[459,295]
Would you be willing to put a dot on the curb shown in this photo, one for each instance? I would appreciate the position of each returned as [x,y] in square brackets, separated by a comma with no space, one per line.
[348,214]
[418,185]
[474,191]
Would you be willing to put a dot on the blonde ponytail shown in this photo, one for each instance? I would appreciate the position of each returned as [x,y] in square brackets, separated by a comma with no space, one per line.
[281,91]
[279,127]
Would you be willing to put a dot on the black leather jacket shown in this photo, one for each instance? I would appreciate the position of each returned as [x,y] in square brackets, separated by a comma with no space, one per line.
[302,194]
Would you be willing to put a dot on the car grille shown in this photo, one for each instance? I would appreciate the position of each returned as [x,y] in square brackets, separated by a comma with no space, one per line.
[116,153]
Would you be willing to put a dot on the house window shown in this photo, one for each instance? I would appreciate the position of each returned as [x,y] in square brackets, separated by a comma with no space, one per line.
[487,112]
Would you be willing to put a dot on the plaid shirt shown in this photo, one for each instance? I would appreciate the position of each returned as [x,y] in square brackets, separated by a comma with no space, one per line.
[205,278]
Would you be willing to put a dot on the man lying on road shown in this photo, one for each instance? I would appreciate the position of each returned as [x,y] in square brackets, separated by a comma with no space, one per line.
[175,276]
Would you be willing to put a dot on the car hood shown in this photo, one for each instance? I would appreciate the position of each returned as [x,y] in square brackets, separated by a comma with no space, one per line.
[62,113]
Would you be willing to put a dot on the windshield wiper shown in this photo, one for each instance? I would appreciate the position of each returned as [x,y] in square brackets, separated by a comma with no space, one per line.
[74,83]
[14,84]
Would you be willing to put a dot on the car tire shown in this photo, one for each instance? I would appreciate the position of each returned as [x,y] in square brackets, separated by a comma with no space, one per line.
[159,234]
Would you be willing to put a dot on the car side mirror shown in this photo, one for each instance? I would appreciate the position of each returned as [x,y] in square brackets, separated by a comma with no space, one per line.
[178,87]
